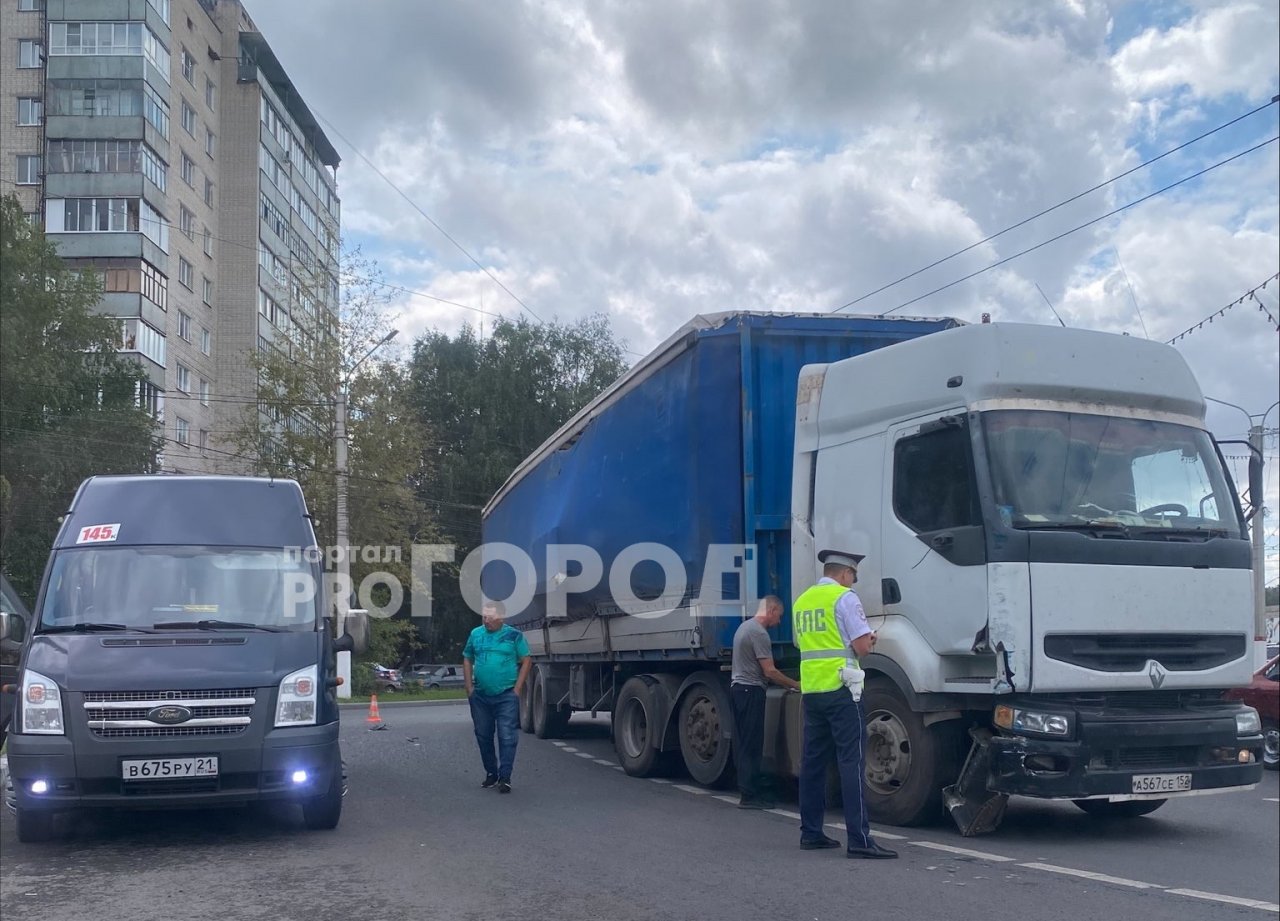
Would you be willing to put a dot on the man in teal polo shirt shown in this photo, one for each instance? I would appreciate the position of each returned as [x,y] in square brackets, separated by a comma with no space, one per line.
[495,664]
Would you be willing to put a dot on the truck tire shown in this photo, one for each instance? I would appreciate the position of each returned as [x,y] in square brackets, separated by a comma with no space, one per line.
[1129,809]
[908,763]
[321,813]
[526,709]
[1271,746]
[636,734]
[34,825]
[549,722]
[705,730]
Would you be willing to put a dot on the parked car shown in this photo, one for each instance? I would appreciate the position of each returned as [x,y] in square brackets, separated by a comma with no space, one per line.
[419,673]
[1263,694]
[14,619]
[386,679]
[446,676]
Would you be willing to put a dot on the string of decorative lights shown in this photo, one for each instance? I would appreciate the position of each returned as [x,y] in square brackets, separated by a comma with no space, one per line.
[1251,294]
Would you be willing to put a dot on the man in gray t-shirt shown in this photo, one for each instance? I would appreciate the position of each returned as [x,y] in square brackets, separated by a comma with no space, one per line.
[753,670]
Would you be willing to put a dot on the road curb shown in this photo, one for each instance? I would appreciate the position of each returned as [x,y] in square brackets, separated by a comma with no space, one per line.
[405,703]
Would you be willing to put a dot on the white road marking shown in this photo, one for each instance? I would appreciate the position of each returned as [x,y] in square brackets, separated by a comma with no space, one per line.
[566,748]
[618,767]
[603,761]
[964,852]
[1270,799]
[837,825]
[1088,874]
[584,755]
[688,789]
[1228,899]
[888,835]
[559,744]
[785,813]
[661,780]
[731,800]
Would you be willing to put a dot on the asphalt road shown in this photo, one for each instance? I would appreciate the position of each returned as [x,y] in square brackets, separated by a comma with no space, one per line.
[579,839]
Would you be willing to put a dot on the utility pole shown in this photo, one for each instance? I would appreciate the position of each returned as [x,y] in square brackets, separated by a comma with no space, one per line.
[1259,555]
[342,529]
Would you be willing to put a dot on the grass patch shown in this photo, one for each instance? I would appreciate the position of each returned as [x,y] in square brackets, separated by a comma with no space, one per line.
[419,694]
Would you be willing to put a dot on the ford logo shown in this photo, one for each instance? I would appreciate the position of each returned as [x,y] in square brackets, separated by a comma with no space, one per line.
[169,715]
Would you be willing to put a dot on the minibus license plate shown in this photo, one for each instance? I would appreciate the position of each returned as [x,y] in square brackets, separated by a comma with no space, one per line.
[169,768]
[1161,783]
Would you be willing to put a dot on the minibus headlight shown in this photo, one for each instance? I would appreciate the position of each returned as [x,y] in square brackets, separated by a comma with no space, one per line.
[296,702]
[41,705]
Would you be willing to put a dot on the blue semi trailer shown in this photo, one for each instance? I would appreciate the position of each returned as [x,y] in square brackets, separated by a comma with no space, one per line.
[981,469]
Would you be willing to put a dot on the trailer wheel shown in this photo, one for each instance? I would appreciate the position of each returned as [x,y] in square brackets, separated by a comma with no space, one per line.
[549,722]
[1128,809]
[636,733]
[526,708]
[706,716]
[908,763]
[34,825]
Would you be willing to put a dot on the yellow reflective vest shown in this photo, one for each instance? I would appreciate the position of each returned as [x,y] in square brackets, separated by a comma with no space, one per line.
[817,636]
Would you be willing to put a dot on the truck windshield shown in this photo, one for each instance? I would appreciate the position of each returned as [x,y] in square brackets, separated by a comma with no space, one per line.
[1127,477]
[142,587]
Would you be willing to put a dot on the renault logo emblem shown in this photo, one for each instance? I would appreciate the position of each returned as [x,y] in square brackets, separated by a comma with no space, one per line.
[1156,674]
[169,715]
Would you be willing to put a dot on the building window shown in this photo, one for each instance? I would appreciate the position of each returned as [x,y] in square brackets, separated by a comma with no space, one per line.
[184,378]
[30,111]
[30,6]
[210,94]
[206,341]
[204,439]
[137,336]
[155,286]
[154,168]
[68,156]
[207,294]
[208,242]
[156,110]
[187,222]
[185,275]
[188,119]
[210,142]
[161,7]
[208,192]
[184,326]
[188,170]
[92,215]
[28,169]
[188,67]
[30,53]
[267,306]
[80,38]
[204,391]
[182,430]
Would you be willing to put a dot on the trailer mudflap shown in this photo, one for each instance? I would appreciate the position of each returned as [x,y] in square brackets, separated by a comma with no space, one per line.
[973,807]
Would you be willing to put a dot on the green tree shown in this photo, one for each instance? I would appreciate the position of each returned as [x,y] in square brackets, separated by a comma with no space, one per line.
[489,404]
[69,404]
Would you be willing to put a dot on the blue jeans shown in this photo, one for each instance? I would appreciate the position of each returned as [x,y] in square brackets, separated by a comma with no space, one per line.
[499,712]
[833,725]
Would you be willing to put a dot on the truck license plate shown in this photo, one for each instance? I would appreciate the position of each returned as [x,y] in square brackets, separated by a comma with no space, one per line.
[169,768]
[1161,783]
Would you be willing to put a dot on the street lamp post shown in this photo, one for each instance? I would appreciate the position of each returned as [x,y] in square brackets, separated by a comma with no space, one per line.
[341,597]
[1257,526]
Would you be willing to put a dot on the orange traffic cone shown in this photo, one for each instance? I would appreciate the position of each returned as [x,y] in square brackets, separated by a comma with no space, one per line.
[373,716]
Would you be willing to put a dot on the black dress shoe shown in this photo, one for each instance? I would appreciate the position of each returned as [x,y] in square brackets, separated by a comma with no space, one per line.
[874,852]
[489,780]
[813,844]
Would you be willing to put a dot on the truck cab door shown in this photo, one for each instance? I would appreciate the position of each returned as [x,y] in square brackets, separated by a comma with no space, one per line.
[934,568]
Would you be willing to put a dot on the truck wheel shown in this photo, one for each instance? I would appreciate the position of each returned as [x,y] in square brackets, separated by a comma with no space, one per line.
[549,722]
[1271,746]
[705,720]
[1129,809]
[320,813]
[635,733]
[34,825]
[526,708]
[908,763]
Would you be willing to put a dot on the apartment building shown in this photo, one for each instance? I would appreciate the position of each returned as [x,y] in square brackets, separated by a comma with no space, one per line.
[161,144]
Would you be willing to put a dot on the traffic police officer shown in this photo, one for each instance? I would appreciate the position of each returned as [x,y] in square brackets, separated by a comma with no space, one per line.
[831,632]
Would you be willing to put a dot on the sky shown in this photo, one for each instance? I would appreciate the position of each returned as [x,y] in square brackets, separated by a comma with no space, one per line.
[653,161]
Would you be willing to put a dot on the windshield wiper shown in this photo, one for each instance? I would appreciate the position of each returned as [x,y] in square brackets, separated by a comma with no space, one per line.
[214,625]
[90,627]
[1157,531]
[1113,527]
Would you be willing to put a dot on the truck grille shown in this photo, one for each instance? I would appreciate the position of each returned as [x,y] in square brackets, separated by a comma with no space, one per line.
[1164,756]
[126,714]
[1130,652]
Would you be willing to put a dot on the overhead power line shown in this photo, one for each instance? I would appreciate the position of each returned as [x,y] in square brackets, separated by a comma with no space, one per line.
[1079,227]
[1061,204]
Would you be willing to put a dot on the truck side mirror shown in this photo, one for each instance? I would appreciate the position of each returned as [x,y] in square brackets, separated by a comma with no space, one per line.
[355,638]
[13,626]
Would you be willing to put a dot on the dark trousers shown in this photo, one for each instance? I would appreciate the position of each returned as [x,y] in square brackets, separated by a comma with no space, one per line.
[500,713]
[833,725]
[748,729]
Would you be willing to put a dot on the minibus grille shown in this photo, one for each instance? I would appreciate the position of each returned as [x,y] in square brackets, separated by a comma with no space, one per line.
[139,714]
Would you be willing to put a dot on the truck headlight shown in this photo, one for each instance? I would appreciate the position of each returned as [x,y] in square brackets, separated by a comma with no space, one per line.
[41,705]
[1248,722]
[1034,722]
[296,702]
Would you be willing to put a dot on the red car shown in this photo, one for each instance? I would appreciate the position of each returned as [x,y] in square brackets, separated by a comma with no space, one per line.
[1263,694]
